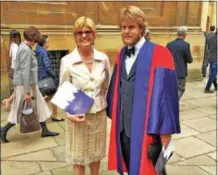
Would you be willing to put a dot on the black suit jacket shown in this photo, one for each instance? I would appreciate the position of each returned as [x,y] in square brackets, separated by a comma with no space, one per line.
[180,50]
[212,47]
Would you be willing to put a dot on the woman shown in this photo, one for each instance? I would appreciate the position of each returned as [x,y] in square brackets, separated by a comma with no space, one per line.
[88,70]
[15,40]
[45,70]
[25,82]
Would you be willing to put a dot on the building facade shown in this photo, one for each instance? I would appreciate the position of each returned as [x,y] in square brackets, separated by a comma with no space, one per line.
[56,19]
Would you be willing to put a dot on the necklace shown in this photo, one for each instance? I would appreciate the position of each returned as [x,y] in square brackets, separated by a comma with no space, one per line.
[87,61]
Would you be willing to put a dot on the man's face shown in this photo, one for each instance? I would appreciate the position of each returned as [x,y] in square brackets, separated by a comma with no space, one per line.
[131,32]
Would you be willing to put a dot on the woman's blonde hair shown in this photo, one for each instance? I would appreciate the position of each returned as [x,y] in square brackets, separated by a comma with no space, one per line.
[134,13]
[84,21]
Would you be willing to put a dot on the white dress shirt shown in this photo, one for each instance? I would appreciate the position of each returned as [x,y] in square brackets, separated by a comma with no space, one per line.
[130,60]
[12,54]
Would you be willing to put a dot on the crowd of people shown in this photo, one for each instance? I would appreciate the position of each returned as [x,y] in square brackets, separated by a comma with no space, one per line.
[141,96]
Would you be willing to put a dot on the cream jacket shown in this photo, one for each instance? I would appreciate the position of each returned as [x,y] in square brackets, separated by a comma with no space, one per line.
[94,83]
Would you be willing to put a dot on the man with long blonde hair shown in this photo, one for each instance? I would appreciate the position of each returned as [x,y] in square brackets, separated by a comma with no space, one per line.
[142,99]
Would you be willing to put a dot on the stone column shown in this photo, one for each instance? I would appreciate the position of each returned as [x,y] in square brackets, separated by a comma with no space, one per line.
[204,14]
[213,16]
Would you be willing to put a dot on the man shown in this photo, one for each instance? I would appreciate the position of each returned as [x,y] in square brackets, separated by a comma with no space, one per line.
[205,61]
[212,59]
[142,99]
[147,34]
[182,55]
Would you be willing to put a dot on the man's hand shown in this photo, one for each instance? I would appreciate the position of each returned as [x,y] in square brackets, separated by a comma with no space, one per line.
[27,97]
[165,139]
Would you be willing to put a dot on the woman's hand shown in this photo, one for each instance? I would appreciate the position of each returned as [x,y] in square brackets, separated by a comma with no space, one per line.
[27,97]
[78,118]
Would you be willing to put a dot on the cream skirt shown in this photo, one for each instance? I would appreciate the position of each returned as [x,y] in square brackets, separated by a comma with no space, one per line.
[86,142]
[41,106]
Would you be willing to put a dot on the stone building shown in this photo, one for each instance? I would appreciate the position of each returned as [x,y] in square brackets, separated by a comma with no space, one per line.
[56,19]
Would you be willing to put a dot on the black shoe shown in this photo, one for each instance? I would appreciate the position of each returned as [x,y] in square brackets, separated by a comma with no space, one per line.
[203,76]
[49,134]
[208,91]
[3,136]
[57,120]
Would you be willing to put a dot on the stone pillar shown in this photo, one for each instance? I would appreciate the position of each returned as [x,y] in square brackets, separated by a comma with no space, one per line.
[204,14]
[213,16]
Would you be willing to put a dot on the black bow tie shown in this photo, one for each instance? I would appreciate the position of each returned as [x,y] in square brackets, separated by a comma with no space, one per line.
[130,51]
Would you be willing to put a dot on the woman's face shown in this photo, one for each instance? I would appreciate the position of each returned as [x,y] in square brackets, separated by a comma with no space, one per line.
[84,37]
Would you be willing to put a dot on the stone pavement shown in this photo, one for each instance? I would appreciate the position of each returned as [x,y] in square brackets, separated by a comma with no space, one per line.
[195,148]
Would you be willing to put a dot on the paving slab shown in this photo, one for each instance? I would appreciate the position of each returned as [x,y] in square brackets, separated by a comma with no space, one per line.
[44,155]
[209,137]
[26,146]
[175,158]
[211,110]
[210,169]
[60,140]
[202,160]
[59,153]
[184,106]
[44,173]
[191,114]
[185,132]
[45,166]
[19,168]
[185,170]
[213,155]
[64,170]
[201,102]
[203,124]
[213,117]
[191,146]
[195,147]
[55,126]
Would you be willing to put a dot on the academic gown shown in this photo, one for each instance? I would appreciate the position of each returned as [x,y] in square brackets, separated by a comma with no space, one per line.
[155,107]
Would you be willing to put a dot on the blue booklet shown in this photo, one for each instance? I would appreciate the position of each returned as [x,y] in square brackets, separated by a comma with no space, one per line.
[72,100]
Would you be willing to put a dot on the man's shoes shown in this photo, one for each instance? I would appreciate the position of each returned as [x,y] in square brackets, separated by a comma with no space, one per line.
[208,91]
[49,134]
[203,76]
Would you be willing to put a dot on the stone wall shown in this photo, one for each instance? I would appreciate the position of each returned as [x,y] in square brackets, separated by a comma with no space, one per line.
[56,19]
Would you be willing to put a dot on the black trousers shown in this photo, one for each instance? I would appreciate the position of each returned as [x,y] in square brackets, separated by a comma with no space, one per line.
[125,147]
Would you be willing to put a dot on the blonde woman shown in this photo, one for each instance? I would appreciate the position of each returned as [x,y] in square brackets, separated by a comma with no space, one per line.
[88,70]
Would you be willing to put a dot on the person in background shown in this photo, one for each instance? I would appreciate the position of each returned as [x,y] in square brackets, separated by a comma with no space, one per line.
[45,70]
[15,40]
[180,49]
[89,71]
[25,82]
[212,59]
[206,50]
[147,35]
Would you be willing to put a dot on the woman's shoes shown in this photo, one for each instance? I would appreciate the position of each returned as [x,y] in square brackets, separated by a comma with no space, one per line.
[57,119]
